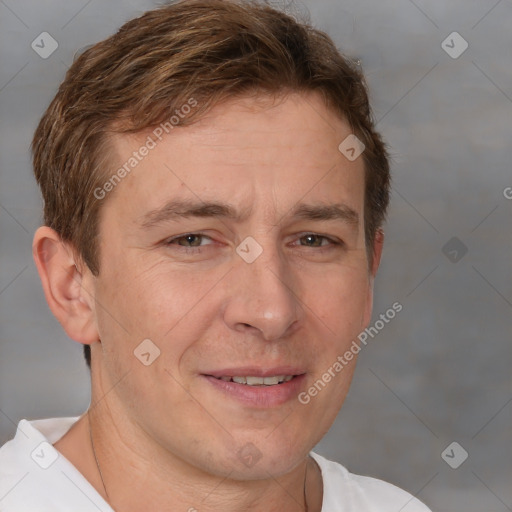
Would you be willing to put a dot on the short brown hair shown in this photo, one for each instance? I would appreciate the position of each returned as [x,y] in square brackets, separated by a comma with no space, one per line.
[209,50]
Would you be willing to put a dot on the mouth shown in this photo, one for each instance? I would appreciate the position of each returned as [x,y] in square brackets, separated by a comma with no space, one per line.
[251,380]
[257,387]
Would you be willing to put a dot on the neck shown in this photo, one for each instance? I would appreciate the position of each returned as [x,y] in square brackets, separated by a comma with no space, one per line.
[131,472]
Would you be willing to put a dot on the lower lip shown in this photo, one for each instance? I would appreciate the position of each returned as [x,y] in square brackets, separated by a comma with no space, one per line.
[260,396]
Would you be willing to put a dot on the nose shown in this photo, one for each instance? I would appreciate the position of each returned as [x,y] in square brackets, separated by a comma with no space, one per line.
[261,298]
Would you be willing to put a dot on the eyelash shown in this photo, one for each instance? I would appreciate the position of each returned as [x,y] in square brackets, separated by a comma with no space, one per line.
[197,249]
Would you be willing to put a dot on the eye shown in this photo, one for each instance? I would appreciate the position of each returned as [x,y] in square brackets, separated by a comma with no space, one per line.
[315,240]
[189,240]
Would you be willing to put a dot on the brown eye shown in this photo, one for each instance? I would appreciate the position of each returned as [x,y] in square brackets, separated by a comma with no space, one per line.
[313,240]
[190,240]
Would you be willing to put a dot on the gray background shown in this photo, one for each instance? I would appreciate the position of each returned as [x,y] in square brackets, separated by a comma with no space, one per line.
[440,371]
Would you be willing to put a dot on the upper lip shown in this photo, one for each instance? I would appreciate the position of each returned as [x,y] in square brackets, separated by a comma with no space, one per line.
[254,371]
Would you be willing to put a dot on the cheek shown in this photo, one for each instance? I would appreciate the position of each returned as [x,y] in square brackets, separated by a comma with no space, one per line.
[151,299]
[169,306]
[340,300]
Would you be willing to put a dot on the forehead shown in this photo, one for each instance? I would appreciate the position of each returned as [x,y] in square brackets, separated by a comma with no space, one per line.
[247,150]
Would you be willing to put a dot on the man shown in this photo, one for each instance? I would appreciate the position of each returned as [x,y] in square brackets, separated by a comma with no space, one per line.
[214,193]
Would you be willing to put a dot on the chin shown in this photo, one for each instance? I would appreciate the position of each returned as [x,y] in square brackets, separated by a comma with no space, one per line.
[262,456]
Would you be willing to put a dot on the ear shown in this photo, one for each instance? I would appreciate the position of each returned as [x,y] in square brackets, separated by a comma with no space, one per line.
[378,244]
[69,292]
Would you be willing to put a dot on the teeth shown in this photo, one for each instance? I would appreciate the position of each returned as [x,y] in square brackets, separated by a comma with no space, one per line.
[259,381]
[255,381]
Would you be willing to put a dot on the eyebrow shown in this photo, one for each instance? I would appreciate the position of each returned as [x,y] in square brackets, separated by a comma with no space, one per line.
[327,212]
[176,209]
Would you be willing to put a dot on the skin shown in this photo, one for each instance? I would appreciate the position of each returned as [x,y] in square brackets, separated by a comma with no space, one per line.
[165,438]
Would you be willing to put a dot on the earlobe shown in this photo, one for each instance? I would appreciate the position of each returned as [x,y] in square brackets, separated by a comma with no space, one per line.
[68,292]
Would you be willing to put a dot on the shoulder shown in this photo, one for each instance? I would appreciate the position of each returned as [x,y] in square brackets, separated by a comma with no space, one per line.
[355,493]
[34,476]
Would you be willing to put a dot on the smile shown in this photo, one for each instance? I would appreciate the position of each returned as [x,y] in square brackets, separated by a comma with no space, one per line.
[258,381]
[257,391]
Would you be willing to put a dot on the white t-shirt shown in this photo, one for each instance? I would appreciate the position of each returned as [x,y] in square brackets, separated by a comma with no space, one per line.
[35,477]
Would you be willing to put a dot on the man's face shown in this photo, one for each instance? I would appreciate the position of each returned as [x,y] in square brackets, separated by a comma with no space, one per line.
[188,283]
